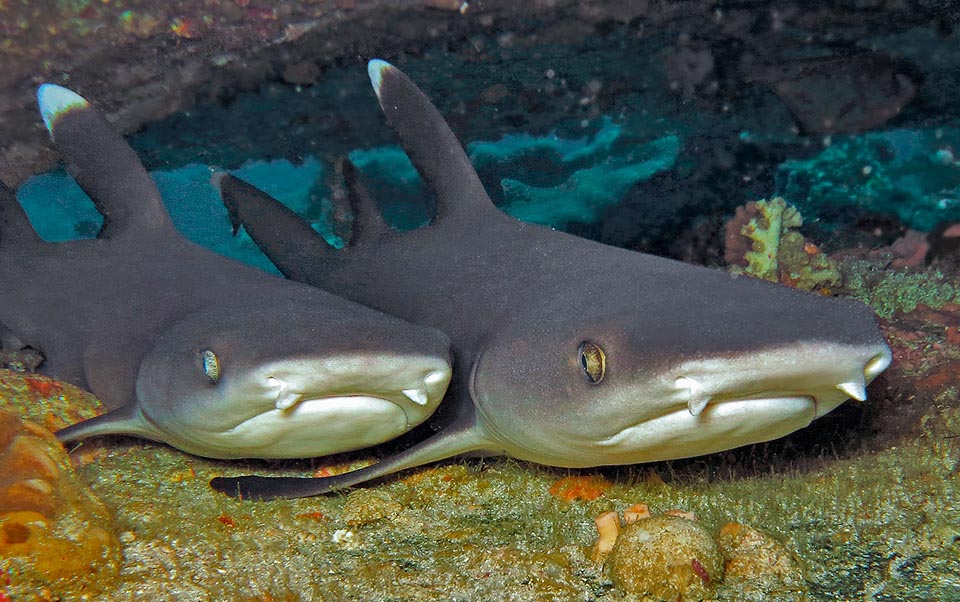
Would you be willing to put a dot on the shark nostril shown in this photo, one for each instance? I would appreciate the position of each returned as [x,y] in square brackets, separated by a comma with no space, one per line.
[274,382]
[434,378]
[877,364]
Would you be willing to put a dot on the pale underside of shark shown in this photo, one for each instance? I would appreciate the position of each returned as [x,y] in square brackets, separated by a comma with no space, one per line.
[188,347]
[567,352]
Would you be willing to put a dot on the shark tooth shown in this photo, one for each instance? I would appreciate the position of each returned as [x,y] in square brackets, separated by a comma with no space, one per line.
[287,399]
[696,400]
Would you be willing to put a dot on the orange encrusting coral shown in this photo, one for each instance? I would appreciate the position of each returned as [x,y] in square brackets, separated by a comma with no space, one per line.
[586,488]
[51,526]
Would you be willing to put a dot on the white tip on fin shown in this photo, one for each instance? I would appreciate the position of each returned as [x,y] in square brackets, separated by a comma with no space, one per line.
[56,101]
[375,69]
[856,390]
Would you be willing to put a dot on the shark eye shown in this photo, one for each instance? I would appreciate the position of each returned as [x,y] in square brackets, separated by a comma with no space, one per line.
[593,362]
[211,365]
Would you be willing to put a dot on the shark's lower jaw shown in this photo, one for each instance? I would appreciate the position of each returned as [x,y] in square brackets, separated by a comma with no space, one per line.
[722,425]
[310,428]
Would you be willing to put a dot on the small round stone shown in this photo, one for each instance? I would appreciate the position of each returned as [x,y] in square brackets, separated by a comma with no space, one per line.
[757,561]
[665,558]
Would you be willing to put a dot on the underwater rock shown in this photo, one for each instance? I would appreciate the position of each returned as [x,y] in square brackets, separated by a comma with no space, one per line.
[53,531]
[45,401]
[838,93]
[944,242]
[756,563]
[26,359]
[691,72]
[910,250]
[665,558]
[365,506]
[761,241]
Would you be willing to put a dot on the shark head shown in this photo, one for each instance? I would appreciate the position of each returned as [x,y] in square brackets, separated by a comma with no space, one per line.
[614,369]
[222,383]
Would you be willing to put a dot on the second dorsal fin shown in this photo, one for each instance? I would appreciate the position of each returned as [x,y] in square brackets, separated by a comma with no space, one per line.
[368,224]
[431,145]
[103,164]
[283,236]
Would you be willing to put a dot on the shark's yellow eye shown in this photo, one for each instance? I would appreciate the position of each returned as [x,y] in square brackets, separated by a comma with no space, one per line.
[211,365]
[593,362]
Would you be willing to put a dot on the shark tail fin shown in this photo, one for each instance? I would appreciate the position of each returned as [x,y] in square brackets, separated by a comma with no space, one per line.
[445,444]
[431,145]
[283,236]
[103,164]
[15,227]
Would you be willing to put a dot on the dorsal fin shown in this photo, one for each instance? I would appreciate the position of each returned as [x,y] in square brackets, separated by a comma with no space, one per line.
[430,144]
[368,224]
[103,164]
[283,236]
[15,227]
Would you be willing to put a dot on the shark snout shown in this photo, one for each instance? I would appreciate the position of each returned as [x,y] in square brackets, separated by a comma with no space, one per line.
[827,374]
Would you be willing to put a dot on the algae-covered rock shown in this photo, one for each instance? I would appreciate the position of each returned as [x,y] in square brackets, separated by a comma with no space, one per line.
[757,564]
[665,558]
[365,506]
[50,403]
[53,531]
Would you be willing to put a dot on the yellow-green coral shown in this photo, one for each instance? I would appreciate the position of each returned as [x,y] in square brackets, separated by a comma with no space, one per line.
[778,253]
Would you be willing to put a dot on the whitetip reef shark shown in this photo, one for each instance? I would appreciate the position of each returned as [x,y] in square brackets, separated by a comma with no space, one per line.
[567,352]
[193,349]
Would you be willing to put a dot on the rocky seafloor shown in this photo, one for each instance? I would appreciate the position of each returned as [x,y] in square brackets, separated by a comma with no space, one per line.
[679,114]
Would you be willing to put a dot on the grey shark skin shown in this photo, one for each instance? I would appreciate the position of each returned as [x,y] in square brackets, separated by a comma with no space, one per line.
[567,352]
[188,347]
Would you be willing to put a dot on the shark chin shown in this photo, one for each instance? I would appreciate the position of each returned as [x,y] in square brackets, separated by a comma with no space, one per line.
[291,432]
[721,426]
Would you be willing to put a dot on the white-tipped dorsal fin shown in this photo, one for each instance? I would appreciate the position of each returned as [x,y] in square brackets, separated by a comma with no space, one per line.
[103,164]
[432,147]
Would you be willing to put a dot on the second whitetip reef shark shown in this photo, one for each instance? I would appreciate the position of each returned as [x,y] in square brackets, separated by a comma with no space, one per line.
[188,347]
[568,352]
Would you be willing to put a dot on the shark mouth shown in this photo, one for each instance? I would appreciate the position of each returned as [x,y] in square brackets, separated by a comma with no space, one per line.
[697,394]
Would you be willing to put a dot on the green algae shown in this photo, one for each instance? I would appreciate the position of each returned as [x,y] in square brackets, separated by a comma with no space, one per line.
[890,291]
